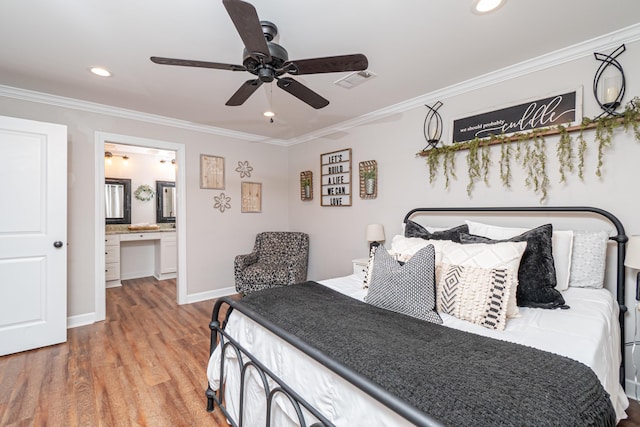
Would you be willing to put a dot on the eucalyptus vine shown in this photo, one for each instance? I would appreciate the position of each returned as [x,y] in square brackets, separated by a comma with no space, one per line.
[530,151]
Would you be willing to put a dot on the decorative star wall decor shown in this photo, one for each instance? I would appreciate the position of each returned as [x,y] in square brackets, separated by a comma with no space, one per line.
[244,168]
[222,202]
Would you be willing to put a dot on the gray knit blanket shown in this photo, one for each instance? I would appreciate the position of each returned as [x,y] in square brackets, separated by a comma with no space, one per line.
[459,378]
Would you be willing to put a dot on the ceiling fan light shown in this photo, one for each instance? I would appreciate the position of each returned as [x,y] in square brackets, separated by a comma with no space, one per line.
[486,6]
[269,113]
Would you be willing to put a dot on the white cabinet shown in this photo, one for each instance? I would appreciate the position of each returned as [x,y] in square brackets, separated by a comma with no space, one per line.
[112,260]
[162,263]
[167,257]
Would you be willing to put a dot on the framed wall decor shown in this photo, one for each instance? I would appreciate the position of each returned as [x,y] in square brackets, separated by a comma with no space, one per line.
[306,185]
[335,181]
[251,197]
[211,172]
[368,179]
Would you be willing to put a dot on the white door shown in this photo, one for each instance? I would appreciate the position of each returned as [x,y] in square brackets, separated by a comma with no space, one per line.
[33,234]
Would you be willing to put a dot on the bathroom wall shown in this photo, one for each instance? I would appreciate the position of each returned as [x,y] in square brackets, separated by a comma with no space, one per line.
[141,169]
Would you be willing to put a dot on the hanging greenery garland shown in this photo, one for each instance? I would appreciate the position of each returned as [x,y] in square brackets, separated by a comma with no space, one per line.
[530,151]
[144,193]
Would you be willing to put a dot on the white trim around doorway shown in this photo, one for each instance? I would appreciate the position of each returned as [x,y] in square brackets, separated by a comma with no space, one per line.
[181,224]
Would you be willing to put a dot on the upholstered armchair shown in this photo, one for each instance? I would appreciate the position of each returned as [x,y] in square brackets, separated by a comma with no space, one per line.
[279,258]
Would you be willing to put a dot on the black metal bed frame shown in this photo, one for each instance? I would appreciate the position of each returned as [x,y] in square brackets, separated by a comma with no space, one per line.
[219,337]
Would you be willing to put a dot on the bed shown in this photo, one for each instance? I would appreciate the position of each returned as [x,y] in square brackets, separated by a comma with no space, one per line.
[295,349]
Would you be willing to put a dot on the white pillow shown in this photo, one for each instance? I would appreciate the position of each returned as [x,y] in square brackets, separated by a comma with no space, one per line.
[478,295]
[488,255]
[403,248]
[561,242]
[588,259]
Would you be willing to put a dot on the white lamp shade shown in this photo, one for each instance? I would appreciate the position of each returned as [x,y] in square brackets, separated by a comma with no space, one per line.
[375,233]
[632,259]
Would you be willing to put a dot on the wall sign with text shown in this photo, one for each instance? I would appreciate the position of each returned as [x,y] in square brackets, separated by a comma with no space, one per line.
[336,178]
[565,108]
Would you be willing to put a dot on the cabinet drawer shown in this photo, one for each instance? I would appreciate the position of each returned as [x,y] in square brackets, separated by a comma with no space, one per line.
[139,236]
[111,239]
[112,254]
[112,271]
[168,237]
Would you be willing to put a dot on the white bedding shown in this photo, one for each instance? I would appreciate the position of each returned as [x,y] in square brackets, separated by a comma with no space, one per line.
[588,332]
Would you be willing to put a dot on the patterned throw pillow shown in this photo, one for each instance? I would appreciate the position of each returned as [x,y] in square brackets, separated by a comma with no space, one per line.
[478,295]
[367,273]
[408,289]
[484,255]
[588,259]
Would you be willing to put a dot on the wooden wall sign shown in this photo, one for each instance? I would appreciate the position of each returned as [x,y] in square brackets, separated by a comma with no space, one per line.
[335,181]
[565,108]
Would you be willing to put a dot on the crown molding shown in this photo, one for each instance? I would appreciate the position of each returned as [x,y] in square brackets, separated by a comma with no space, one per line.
[92,107]
[608,41]
[586,48]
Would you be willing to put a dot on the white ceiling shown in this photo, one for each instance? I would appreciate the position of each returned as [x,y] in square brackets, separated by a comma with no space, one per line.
[415,47]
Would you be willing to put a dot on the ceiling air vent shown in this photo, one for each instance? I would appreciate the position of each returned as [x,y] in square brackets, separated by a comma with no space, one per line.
[354,79]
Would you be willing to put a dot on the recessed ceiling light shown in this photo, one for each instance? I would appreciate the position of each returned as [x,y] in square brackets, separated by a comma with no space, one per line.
[99,71]
[485,6]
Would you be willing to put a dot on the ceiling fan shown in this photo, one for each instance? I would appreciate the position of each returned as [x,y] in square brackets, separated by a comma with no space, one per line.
[269,61]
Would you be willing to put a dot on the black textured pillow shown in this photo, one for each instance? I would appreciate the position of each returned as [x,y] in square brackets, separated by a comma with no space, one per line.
[537,273]
[408,289]
[413,229]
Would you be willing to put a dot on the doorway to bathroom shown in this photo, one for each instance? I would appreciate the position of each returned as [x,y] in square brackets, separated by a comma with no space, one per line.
[149,166]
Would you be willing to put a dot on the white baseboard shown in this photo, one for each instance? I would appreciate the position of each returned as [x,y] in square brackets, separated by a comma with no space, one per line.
[203,296]
[165,276]
[81,320]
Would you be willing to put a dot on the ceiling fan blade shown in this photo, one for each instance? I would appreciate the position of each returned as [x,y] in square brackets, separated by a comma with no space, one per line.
[302,92]
[244,92]
[245,18]
[192,63]
[329,64]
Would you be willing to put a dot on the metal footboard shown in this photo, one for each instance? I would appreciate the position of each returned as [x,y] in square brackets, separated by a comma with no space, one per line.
[219,337]
[247,361]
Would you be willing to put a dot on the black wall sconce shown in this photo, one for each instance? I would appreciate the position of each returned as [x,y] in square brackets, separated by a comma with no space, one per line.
[432,126]
[609,82]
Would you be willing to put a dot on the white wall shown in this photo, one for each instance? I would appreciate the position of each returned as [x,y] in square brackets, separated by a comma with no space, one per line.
[213,238]
[337,234]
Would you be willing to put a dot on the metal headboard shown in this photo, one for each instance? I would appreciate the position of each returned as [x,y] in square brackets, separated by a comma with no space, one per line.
[620,238]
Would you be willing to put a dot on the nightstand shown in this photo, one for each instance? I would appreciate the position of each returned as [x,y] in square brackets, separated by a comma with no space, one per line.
[360,266]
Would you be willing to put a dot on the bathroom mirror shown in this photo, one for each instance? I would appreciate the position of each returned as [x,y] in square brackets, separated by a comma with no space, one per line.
[165,201]
[117,193]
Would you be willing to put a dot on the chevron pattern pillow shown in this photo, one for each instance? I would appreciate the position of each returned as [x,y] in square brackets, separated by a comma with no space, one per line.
[475,294]
[408,289]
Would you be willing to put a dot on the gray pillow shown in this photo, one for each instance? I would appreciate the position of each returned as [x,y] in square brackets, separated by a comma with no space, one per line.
[413,229]
[408,289]
[537,273]
[588,259]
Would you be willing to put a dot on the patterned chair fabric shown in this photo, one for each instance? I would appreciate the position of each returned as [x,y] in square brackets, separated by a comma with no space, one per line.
[279,258]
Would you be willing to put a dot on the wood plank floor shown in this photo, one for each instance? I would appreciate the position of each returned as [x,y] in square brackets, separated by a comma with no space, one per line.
[144,366]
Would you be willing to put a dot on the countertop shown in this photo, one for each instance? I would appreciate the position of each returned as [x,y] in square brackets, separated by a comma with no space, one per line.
[123,229]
